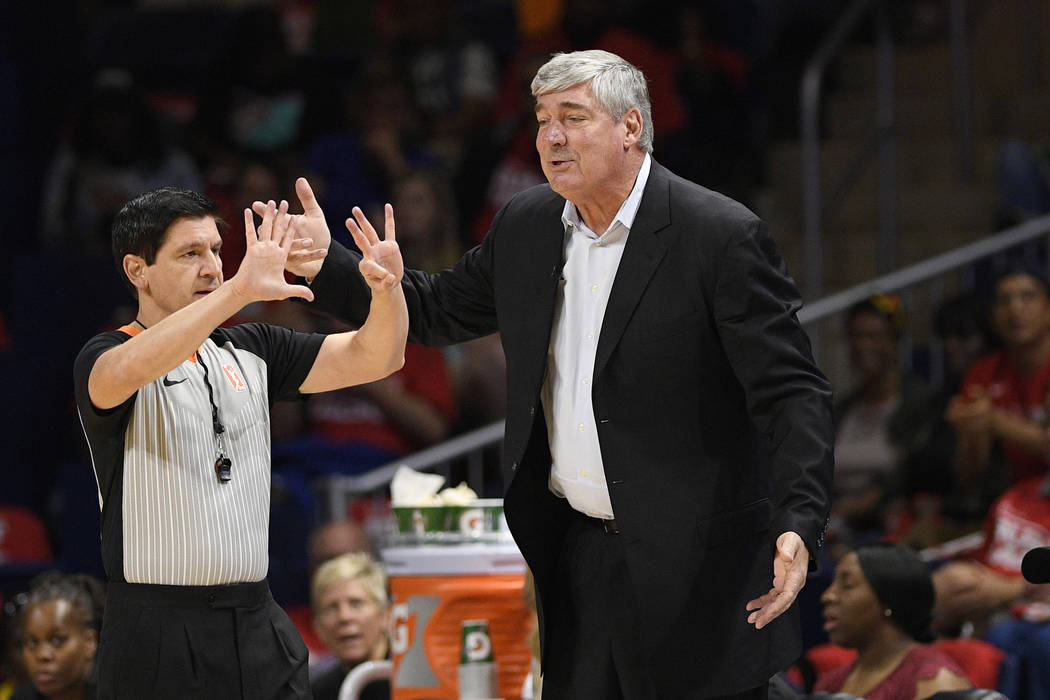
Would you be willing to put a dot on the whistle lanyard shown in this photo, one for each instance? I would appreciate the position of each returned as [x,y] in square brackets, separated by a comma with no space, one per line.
[223,463]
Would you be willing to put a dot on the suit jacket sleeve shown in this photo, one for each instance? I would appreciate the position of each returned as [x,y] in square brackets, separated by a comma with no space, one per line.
[449,307]
[788,398]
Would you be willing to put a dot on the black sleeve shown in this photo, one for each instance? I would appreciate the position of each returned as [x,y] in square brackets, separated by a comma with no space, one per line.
[449,307]
[289,355]
[95,418]
[788,398]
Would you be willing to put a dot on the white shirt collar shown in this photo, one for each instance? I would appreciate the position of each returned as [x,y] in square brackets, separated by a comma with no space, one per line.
[628,210]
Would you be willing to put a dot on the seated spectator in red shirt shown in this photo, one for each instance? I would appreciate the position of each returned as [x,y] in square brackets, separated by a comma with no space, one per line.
[1003,401]
[416,406]
[880,603]
[409,410]
[990,591]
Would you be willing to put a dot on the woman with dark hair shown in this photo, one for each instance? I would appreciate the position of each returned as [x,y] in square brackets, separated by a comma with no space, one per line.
[881,604]
[59,637]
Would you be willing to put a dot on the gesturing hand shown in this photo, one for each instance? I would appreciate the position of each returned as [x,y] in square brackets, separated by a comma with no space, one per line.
[261,274]
[310,233]
[381,263]
[790,564]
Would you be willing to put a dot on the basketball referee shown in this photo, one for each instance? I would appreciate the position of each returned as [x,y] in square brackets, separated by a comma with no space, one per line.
[176,415]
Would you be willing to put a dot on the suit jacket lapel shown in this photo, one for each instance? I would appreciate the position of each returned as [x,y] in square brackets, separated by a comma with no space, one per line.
[642,254]
[548,254]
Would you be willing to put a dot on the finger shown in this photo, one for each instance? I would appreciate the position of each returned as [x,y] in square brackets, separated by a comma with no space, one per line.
[249,228]
[266,228]
[761,601]
[302,243]
[306,197]
[299,291]
[388,210]
[281,226]
[359,238]
[772,611]
[370,269]
[259,207]
[365,225]
[299,257]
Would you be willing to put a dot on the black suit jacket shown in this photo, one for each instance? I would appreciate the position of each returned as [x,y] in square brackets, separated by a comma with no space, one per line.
[714,423]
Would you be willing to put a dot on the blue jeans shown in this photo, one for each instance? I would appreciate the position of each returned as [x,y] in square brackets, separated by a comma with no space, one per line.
[1029,642]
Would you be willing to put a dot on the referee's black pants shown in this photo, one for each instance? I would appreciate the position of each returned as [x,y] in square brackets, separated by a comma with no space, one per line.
[596,642]
[221,642]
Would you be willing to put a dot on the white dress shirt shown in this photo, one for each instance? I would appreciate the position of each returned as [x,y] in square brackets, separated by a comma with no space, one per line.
[591,261]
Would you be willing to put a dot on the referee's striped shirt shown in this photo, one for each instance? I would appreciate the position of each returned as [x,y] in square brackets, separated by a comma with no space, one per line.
[166,517]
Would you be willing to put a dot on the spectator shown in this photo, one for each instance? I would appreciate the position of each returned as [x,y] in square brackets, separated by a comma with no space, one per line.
[513,136]
[59,637]
[373,145]
[880,603]
[415,407]
[990,593]
[453,78]
[880,422]
[351,615]
[941,509]
[114,153]
[255,100]
[335,538]
[1003,401]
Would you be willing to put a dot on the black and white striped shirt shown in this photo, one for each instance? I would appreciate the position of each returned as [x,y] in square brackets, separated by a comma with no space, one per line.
[166,517]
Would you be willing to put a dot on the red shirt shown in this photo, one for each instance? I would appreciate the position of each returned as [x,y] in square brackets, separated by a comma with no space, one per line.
[1024,396]
[345,416]
[1019,521]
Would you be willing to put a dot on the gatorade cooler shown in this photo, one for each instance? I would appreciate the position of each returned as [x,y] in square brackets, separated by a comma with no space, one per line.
[434,588]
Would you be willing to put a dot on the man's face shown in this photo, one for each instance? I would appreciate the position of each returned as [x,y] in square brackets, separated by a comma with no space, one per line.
[187,266]
[351,622]
[1021,310]
[582,149]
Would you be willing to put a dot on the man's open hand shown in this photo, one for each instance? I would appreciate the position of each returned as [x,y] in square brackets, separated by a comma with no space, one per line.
[261,274]
[381,263]
[311,237]
[790,564]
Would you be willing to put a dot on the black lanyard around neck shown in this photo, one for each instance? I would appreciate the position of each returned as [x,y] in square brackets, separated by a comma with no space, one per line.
[222,463]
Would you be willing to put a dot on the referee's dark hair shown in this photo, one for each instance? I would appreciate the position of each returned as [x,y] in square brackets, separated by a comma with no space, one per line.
[139,228]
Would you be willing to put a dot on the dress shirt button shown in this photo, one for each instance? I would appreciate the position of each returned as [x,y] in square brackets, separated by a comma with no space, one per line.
[594,288]
[583,473]
[580,427]
[586,380]
[590,335]
[211,597]
[532,410]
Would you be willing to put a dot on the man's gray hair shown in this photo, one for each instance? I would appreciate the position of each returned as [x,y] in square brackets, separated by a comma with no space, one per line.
[617,85]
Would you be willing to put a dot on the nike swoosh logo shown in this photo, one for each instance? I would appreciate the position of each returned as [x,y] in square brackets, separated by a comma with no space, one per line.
[168,382]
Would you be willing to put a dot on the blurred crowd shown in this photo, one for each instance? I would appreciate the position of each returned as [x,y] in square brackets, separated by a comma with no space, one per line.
[426,105]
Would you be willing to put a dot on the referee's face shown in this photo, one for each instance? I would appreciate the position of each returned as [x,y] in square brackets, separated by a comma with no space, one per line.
[187,266]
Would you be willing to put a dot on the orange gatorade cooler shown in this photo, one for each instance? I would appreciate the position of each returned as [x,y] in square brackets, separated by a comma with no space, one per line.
[434,589]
